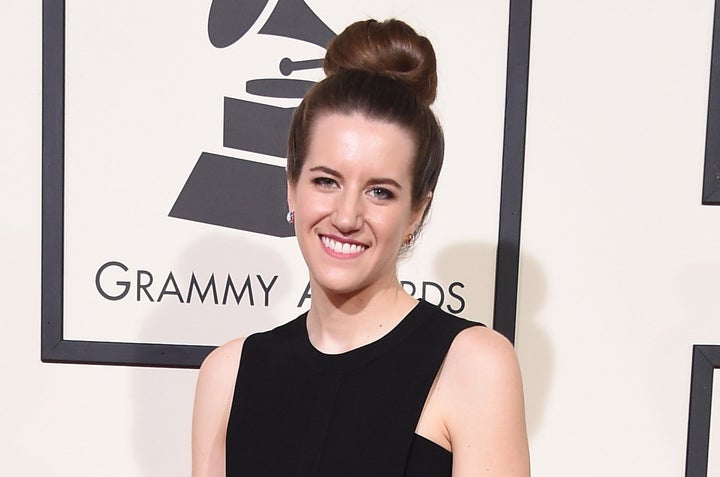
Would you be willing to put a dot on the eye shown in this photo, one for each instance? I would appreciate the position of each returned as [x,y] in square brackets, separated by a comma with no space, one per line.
[381,193]
[324,182]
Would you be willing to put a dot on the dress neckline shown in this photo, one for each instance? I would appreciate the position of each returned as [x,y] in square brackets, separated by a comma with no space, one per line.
[360,356]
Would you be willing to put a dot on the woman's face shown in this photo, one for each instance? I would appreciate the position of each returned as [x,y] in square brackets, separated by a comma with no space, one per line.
[352,202]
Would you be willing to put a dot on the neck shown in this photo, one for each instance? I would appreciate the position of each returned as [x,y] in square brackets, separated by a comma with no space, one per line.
[339,323]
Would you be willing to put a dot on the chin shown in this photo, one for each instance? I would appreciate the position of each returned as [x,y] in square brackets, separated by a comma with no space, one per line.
[340,287]
[343,283]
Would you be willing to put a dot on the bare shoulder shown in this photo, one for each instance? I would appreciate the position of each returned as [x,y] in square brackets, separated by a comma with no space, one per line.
[223,359]
[479,349]
[483,406]
[480,366]
[216,380]
[213,399]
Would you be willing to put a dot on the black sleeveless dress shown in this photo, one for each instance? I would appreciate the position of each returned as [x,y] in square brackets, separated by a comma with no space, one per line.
[298,412]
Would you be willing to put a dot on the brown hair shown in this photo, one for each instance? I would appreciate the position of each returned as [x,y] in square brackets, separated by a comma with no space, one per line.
[385,71]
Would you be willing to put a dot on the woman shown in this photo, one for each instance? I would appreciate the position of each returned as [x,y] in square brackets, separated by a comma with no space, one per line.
[369,382]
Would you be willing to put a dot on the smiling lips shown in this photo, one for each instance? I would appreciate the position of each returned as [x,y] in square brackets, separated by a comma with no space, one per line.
[342,248]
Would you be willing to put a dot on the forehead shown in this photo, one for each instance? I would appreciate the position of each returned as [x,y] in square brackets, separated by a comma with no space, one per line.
[358,142]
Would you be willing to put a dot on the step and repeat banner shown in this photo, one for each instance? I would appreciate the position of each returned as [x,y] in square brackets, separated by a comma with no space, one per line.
[175,125]
[164,232]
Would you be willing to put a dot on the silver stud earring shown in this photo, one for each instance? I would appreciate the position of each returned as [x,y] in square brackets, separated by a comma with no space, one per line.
[290,217]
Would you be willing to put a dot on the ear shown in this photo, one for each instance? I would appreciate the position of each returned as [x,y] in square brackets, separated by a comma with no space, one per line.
[290,195]
[419,213]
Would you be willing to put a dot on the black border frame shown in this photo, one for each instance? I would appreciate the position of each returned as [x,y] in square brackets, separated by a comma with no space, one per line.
[507,265]
[56,349]
[706,359]
[711,172]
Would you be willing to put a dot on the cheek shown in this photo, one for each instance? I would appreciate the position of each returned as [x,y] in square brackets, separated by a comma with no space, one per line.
[391,222]
[311,206]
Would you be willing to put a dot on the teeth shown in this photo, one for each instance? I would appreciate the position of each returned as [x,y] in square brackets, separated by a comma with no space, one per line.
[337,246]
[343,248]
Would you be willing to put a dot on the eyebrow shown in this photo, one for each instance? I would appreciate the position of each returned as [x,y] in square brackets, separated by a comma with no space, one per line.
[374,180]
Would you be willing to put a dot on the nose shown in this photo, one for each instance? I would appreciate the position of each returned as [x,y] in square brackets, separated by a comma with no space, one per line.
[348,214]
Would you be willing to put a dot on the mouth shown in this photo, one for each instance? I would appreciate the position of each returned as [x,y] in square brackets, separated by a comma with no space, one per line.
[342,248]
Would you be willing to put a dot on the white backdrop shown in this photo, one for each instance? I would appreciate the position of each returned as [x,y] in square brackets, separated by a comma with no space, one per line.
[141,108]
[618,257]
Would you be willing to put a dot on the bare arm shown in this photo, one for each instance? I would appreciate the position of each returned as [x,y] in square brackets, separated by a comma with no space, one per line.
[482,401]
[213,398]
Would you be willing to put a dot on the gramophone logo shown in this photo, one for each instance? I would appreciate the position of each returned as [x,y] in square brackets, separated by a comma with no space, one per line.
[241,193]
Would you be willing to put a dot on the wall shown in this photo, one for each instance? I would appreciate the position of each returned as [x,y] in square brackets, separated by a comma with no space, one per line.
[617,278]
[617,261]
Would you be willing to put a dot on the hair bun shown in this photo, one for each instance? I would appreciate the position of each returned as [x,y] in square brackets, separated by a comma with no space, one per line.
[391,48]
